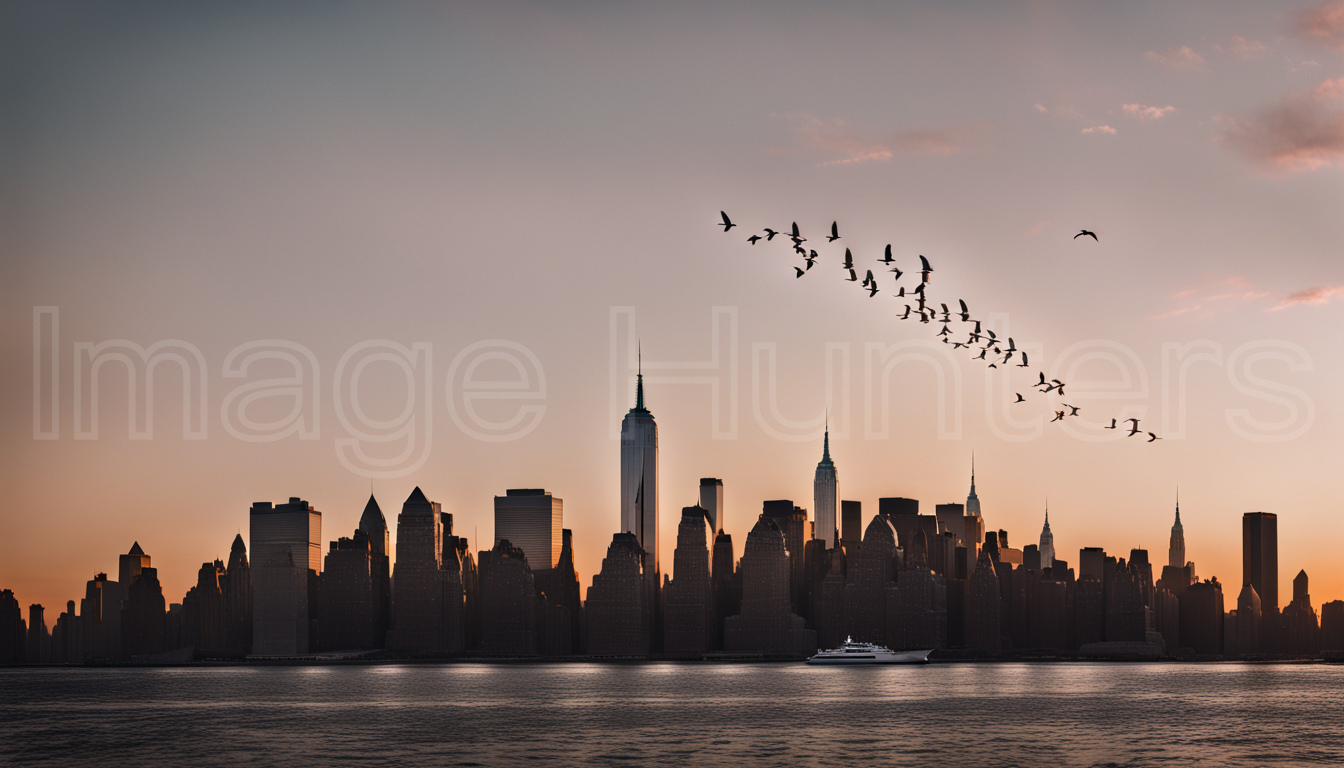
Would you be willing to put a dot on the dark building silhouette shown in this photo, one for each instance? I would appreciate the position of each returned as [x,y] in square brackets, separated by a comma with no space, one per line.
[1125,606]
[1248,624]
[766,623]
[203,613]
[93,618]
[851,524]
[237,586]
[454,589]
[617,607]
[1260,557]
[828,600]
[142,616]
[871,571]
[727,597]
[38,648]
[348,602]
[509,605]
[982,607]
[1300,634]
[417,601]
[792,522]
[689,596]
[917,603]
[1201,607]
[286,560]
[1332,626]
[13,630]
[904,516]
[374,526]
[562,604]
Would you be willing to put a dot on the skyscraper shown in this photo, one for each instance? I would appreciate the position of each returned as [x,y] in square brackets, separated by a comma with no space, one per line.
[639,484]
[417,601]
[689,596]
[824,495]
[617,608]
[851,523]
[1176,552]
[531,520]
[348,606]
[1260,558]
[374,526]
[766,624]
[972,501]
[1047,547]
[711,500]
[286,548]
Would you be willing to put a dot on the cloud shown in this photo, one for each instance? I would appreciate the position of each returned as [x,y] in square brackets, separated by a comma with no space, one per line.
[1323,24]
[1303,132]
[1144,112]
[1106,129]
[844,144]
[1245,49]
[1313,296]
[1183,58]
[1212,297]
[1041,108]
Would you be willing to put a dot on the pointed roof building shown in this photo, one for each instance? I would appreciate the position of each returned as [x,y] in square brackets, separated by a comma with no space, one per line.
[824,495]
[1176,552]
[972,500]
[1047,545]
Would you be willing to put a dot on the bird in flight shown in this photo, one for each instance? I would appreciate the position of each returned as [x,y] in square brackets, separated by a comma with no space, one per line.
[887,258]
[872,289]
[1113,424]
[907,313]
[799,270]
[753,239]
[1073,409]
[853,278]
[835,233]
[1152,437]
[727,222]
[1083,232]
[1134,430]
[1019,399]
[898,272]
[769,234]
[1024,363]
[925,268]
[1059,416]
[849,260]
[811,259]
[965,313]
[796,236]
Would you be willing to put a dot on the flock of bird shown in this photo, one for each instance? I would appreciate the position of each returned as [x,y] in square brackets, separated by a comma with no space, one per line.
[992,350]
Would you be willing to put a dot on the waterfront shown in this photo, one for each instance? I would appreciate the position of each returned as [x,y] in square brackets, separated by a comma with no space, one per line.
[1074,714]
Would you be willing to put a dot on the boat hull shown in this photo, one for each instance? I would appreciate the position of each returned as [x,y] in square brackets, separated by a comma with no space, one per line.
[850,660]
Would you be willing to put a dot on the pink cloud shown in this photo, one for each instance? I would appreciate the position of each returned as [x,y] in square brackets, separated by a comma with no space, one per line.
[1245,49]
[1144,112]
[1313,296]
[1303,132]
[1183,58]
[1211,296]
[847,145]
[1106,129]
[1324,24]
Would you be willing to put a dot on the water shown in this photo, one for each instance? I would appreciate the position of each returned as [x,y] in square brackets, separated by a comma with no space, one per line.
[676,714]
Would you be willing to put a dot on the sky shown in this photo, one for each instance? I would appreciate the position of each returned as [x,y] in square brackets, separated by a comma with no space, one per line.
[414,245]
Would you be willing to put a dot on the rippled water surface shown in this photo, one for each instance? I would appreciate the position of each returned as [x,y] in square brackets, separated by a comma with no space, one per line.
[676,714]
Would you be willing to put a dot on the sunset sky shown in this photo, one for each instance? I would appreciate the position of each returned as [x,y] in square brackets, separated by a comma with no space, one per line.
[453,174]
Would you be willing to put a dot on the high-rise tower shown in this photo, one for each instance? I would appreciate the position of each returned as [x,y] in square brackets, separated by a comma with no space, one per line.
[639,479]
[972,501]
[1176,552]
[1260,557]
[1047,546]
[823,495]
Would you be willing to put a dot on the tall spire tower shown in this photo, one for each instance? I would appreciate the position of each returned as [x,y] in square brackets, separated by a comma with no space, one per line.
[824,494]
[1047,546]
[1176,553]
[973,501]
[639,477]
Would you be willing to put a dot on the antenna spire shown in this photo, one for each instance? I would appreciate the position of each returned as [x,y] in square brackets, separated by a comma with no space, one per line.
[639,378]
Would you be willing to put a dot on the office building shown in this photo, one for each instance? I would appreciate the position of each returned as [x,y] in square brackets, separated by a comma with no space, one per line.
[689,596]
[417,599]
[374,526]
[711,500]
[766,623]
[1260,558]
[851,523]
[617,609]
[531,520]
[286,554]
[824,496]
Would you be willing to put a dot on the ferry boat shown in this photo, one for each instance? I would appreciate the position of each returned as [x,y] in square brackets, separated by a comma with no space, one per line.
[851,652]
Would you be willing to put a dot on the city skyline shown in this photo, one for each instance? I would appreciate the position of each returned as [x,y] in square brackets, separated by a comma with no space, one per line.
[446,178]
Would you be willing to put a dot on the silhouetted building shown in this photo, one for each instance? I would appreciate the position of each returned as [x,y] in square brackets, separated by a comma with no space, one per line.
[871,571]
[1176,550]
[1249,622]
[766,623]
[982,607]
[1047,545]
[142,616]
[237,586]
[617,608]
[130,564]
[1089,610]
[1260,557]
[94,617]
[917,603]
[509,605]
[203,612]
[689,597]
[13,630]
[824,496]
[1332,626]
[286,556]
[1201,607]
[851,524]
[454,589]
[828,600]
[374,525]
[792,522]
[38,642]
[531,519]
[1126,619]
[417,600]
[727,598]
[972,500]
[711,500]
[1300,634]
[348,604]
[562,603]
[639,499]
